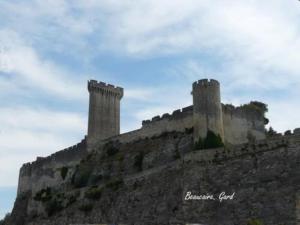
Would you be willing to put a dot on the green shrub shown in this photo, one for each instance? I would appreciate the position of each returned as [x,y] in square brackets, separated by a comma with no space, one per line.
[111,149]
[43,195]
[199,144]
[262,107]
[120,158]
[255,222]
[86,207]
[211,141]
[71,199]
[93,193]
[53,206]
[138,161]
[63,172]
[115,184]
[176,153]
[82,175]
[95,178]
[189,130]
[271,132]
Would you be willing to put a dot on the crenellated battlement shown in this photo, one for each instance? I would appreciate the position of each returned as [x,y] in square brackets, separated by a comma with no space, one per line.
[66,155]
[246,110]
[32,174]
[93,85]
[206,82]
[177,114]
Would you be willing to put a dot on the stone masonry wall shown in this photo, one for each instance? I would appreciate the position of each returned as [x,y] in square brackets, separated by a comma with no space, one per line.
[238,124]
[242,122]
[180,120]
[46,171]
[264,176]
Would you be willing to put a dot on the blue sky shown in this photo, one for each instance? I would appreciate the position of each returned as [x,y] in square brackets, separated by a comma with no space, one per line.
[155,49]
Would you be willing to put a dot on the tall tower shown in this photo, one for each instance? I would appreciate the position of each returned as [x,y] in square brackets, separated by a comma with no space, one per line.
[207,110]
[104,111]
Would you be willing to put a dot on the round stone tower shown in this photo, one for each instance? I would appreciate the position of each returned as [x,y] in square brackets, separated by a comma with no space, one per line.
[207,109]
[104,111]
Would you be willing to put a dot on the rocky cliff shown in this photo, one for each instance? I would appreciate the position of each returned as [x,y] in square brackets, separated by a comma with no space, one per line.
[165,180]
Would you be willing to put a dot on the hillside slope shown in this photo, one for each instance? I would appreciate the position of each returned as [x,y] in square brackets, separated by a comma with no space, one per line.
[147,181]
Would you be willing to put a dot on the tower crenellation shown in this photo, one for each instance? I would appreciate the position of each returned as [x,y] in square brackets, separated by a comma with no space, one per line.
[93,85]
[206,82]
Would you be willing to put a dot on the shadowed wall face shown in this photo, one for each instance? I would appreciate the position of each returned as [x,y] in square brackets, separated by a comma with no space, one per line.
[104,111]
[207,110]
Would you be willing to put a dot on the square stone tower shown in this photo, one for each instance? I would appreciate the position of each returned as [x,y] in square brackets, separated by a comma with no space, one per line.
[104,111]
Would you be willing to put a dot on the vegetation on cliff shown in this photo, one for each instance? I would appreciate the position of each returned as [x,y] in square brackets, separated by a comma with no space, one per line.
[210,141]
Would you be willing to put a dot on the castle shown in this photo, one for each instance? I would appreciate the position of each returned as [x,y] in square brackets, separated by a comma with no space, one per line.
[235,125]
[106,177]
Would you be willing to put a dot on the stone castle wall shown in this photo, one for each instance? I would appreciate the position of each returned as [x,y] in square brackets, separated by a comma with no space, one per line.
[45,172]
[234,124]
[242,123]
[179,120]
[238,123]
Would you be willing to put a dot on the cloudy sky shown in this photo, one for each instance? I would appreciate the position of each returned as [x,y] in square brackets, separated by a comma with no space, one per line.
[155,49]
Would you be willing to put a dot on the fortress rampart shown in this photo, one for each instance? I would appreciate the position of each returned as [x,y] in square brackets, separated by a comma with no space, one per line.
[236,125]
[241,123]
[45,171]
[166,144]
[179,120]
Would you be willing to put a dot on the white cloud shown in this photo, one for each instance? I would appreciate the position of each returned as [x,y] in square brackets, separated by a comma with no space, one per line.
[26,133]
[24,66]
[256,40]
[41,119]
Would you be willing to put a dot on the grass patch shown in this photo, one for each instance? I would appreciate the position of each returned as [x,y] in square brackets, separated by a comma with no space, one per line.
[138,161]
[115,184]
[53,206]
[43,195]
[86,207]
[82,175]
[111,149]
[63,172]
[93,193]
[255,222]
